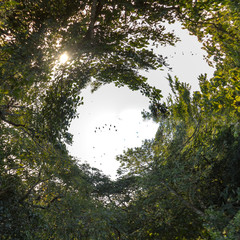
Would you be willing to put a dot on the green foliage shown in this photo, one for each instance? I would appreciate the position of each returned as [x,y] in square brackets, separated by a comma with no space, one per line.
[184,184]
[191,170]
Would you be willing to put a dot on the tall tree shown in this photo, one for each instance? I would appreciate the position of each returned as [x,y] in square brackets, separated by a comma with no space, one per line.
[190,171]
[107,41]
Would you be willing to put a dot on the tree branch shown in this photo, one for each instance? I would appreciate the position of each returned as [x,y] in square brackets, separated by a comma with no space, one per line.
[10,122]
[32,187]
[93,19]
[95,11]
[185,202]
[49,204]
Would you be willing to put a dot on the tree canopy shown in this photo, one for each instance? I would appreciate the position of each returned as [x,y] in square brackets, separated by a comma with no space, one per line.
[184,184]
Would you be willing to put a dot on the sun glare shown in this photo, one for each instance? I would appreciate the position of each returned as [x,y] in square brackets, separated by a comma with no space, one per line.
[63,58]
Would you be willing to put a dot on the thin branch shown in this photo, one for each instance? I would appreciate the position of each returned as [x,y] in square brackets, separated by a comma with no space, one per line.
[10,122]
[184,201]
[194,133]
[118,233]
[49,204]
[33,186]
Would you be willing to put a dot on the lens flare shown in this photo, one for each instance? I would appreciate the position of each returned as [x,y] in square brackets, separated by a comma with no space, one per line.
[63,58]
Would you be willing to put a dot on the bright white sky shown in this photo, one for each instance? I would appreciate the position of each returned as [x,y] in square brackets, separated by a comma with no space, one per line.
[110,120]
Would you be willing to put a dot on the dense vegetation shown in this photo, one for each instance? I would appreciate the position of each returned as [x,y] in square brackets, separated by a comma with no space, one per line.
[184,184]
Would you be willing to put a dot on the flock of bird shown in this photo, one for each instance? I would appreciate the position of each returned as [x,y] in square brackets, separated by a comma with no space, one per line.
[183,53]
[111,128]
[108,127]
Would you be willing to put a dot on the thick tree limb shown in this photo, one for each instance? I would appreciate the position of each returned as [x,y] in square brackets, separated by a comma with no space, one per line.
[93,19]
[95,11]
